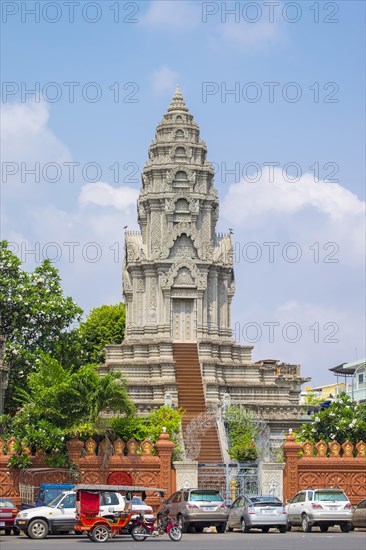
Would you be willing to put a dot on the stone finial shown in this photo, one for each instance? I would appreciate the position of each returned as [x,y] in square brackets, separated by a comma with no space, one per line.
[177,103]
[347,449]
[361,449]
[321,448]
[308,448]
[132,447]
[119,447]
[11,446]
[146,447]
[335,449]
[90,447]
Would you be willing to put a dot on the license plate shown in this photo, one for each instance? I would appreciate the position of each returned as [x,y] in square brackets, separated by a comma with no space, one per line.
[2,523]
[267,511]
[208,508]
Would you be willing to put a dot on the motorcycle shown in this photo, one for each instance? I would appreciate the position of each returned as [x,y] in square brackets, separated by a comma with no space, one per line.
[145,528]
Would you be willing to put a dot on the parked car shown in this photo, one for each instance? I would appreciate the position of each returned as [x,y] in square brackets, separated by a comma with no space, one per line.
[58,517]
[320,507]
[259,512]
[359,514]
[139,506]
[8,512]
[198,508]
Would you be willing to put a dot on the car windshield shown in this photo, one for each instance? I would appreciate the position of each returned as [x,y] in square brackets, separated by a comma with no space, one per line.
[330,495]
[5,503]
[56,501]
[209,496]
[137,500]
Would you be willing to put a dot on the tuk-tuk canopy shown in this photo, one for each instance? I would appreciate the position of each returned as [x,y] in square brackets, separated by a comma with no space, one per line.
[117,488]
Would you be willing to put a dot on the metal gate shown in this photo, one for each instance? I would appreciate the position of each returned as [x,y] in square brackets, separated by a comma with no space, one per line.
[230,478]
[247,480]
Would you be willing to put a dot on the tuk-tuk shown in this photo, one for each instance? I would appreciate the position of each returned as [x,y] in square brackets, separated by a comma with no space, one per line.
[88,514]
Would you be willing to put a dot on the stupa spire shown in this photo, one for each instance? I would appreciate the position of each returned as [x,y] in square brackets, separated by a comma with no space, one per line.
[177,103]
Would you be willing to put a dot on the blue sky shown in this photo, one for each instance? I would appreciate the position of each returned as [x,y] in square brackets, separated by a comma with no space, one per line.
[208,52]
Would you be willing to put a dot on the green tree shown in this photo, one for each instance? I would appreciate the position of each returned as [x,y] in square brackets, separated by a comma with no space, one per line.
[59,403]
[68,398]
[343,419]
[35,316]
[243,432]
[104,325]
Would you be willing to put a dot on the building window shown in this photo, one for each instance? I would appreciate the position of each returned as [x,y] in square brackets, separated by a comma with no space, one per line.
[361,379]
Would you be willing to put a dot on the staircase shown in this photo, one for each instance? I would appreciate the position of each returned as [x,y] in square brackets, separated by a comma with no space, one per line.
[191,397]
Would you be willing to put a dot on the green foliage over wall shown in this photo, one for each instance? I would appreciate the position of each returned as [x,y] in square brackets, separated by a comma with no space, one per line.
[242,431]
[343,419]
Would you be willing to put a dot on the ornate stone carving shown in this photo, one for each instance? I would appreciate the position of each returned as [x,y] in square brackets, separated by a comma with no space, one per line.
[183,248]
[183,277]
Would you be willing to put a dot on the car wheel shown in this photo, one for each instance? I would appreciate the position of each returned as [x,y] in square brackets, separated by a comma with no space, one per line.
[282,528]
[38,529]
[265,529]
[221,528]
[100,533]
[7,531]
[324,528]
[244,526]
[306,527]
[345,528]
[182,524]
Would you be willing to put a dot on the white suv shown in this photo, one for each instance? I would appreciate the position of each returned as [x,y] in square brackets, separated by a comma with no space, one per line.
[320,507]
[59,515]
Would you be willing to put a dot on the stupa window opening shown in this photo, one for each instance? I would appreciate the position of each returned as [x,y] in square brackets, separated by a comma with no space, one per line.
[180,152]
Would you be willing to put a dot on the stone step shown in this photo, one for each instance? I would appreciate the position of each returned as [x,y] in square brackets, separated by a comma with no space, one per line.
[191,397]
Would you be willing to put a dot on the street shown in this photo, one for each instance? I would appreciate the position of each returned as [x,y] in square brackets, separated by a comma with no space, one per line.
[294,540]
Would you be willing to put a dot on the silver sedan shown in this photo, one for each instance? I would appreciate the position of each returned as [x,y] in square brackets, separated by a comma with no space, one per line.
[258,512]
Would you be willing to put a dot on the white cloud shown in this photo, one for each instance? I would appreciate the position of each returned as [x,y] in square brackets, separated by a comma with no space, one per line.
[26,136]
[164,79]
[103,194]
[251,35]
[280,196]
[172,14]
[303,211]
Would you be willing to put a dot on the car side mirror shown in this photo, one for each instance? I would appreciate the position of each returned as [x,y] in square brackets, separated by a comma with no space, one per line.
[288,501]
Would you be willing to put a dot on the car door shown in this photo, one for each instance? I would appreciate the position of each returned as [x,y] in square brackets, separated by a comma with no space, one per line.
[234,517]
[64,514]
[359,515]
[300,506]
[110,501]
[177,504]
[171,505]
[292,509]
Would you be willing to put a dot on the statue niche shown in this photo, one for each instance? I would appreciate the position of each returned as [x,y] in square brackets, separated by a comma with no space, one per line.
[182,212]
[183,247]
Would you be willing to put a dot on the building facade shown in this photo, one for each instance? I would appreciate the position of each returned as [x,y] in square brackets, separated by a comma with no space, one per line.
[178,285]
